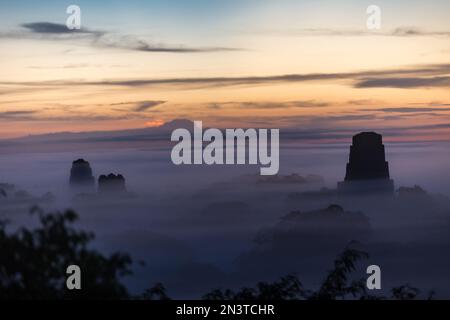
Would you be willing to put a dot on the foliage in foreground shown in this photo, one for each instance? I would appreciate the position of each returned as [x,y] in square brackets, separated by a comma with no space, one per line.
[33,264]
[336,285]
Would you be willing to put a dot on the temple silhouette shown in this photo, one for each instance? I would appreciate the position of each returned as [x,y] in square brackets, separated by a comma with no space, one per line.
[367,170]
[81,174]
[111,184]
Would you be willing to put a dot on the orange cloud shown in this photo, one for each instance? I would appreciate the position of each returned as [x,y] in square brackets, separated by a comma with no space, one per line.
[154,123]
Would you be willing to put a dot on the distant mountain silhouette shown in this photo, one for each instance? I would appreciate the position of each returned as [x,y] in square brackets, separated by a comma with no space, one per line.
[143,133]
[75,141]
[177,123]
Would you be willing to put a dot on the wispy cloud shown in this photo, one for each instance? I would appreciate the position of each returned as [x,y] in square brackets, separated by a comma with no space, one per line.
[270,104]
[66,66]
[407,110]
[363,102]
[404,31]
[129,42]
[405,83]
[101,39]
[289,104]
[417,32]
[434,75]
[344,117]
[140,106]
[44,116]
[17,114]
[56,28]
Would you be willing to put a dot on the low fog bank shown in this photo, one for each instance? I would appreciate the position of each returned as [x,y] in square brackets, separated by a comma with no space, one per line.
[196,228]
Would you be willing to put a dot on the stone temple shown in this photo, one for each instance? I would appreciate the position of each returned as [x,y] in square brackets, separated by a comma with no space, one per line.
[81,174]
[367,170]
[111,184]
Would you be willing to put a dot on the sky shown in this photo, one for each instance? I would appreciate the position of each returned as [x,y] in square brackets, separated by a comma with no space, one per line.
[253,63]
